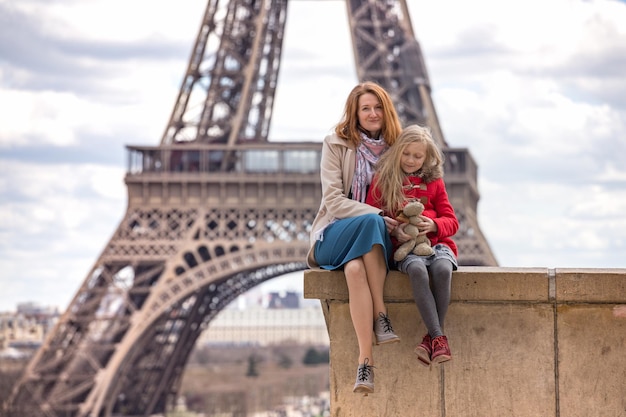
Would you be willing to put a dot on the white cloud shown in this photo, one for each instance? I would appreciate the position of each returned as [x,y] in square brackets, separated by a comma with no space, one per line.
[535,91]
[53,226]
[119,20]
[32,118]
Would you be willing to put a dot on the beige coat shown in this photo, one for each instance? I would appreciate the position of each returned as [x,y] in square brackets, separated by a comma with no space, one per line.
[336,173]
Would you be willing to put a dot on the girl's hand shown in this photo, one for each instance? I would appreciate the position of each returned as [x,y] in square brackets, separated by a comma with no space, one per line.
[427,225]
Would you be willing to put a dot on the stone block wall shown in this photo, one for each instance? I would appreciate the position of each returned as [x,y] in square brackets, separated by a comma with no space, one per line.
[526,342]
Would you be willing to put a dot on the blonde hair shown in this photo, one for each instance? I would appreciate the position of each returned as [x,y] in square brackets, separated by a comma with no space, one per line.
[348,128]
[389,172]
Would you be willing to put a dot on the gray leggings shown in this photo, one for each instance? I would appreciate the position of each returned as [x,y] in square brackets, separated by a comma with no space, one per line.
[431,293]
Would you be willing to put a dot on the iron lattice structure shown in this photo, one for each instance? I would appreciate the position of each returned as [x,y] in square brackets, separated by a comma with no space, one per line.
[216,209]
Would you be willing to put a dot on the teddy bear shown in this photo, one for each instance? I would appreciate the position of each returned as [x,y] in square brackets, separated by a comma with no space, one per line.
[419,245]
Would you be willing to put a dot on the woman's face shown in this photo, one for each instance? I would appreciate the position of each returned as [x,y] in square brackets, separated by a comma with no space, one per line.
[413,157]
[370,114]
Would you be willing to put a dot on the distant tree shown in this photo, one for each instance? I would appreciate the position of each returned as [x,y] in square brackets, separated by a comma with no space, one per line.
[252,371]
[324,356]
[284,361]
[313,357]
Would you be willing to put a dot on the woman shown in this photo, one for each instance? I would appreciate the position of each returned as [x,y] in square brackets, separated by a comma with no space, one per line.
[349,234]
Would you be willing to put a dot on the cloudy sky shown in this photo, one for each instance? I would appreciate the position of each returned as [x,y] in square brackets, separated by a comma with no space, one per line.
[536,90]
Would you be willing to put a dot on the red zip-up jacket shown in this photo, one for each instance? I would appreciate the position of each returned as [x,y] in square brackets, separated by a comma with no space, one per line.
[436,206]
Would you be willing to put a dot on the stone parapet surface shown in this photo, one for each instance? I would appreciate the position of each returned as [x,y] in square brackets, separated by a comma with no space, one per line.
[532,342]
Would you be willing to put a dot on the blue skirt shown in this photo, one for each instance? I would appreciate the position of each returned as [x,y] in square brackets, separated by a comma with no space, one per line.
[351,238]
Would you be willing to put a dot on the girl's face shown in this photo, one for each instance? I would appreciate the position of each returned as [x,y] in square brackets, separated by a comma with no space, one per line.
[413,157]
[370,114]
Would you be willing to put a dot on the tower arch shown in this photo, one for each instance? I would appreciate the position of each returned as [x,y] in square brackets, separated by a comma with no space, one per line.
[184,305]
[215,209]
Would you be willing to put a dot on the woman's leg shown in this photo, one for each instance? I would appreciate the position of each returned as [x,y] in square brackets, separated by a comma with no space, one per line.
[376,271]
[361,310]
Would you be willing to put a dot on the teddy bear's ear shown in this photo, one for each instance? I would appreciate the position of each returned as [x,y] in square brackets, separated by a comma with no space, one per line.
[414,208]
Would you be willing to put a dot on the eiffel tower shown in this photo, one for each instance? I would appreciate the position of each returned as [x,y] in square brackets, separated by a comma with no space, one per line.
[216,209]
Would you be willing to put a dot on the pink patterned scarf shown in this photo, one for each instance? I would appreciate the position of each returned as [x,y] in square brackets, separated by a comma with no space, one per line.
[368,153]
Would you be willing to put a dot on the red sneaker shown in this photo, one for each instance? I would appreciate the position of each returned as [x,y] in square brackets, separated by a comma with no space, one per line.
[440,350]
[424,350]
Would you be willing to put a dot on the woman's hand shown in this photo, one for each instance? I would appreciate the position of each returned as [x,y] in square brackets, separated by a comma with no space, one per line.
[391,224]
[399,233]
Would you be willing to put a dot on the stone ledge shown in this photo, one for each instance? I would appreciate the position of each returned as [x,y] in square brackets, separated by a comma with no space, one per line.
[526,342]
[492,284]
[591,285]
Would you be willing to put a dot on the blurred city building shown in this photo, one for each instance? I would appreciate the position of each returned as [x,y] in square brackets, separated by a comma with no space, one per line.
[255,318]
[273,318]
[24,330]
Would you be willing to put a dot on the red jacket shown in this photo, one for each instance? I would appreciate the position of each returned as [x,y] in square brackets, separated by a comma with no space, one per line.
[436,206]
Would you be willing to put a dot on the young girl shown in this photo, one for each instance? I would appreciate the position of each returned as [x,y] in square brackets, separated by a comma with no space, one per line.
[412,170]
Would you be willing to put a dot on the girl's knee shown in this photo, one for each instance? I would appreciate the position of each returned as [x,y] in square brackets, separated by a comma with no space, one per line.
[417,272]
[417,268]
[441,266]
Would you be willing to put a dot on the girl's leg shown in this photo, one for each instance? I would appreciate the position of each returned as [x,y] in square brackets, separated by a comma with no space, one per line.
[420,282]
[441,272]
[361,310]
